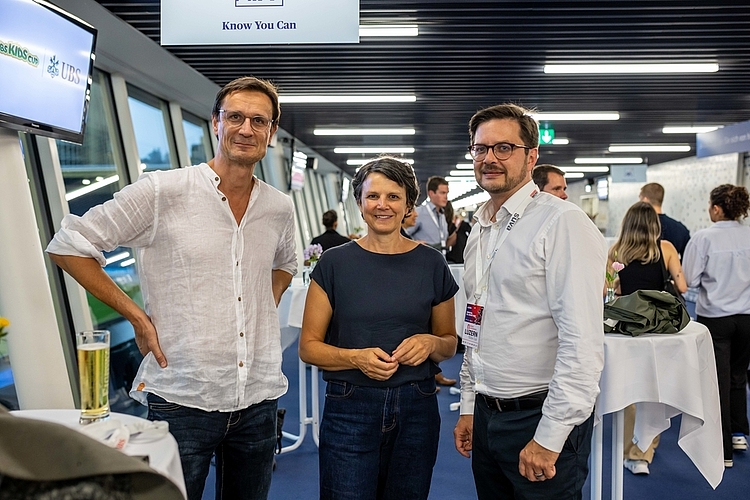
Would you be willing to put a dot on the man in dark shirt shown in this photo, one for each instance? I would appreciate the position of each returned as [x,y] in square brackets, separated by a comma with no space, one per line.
[330,238]
[672,230]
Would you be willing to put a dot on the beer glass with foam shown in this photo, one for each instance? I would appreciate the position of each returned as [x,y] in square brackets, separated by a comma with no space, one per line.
[93,371]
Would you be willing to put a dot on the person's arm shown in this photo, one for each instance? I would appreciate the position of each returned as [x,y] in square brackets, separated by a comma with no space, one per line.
[90,275]
[451,239]
[279,283]
[438,345]
[463,433]
[373,362]
[694,262]
[672,261]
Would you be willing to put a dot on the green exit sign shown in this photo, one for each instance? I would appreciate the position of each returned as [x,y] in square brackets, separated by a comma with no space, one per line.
[546,135]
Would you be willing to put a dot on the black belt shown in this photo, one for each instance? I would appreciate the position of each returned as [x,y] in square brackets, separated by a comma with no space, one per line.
[528,402]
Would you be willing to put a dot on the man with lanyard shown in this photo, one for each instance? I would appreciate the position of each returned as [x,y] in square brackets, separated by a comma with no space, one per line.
[431,226]
[533,328]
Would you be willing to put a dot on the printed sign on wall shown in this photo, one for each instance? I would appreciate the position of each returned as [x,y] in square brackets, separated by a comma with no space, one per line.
[241,22]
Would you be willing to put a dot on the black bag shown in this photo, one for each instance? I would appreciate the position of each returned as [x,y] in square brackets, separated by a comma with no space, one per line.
[668,285]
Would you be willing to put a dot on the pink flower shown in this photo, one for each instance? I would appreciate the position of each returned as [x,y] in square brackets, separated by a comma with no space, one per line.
[618,266]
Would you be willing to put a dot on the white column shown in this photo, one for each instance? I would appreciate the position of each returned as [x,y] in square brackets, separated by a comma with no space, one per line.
[34,343]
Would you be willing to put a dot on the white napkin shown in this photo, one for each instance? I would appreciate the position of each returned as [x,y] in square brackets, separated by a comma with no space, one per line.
[117,435]
[146,431]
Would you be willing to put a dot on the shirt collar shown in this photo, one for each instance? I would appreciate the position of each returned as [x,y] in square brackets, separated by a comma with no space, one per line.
[434,207]
[484,214]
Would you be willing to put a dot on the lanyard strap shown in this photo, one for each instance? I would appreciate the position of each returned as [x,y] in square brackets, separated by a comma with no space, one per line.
[482,271]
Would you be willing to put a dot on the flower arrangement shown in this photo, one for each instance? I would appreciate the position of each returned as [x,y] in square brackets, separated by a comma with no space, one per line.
[312,253]
[4,323]
[611,277]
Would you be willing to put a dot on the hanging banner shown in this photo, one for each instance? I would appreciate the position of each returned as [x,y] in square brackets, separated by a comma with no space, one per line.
[242,22]
[730,139]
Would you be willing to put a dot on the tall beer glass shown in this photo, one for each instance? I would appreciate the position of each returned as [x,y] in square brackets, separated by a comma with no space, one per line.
[93,371]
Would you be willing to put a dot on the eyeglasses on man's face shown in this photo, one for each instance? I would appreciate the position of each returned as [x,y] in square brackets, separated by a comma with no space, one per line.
[258,123]
[501,150]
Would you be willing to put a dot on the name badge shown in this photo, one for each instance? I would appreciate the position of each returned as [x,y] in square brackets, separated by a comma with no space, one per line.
[472,325]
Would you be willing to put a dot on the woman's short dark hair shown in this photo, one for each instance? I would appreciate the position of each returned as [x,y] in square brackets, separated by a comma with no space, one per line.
[251,84]
[399,172]
[733,200]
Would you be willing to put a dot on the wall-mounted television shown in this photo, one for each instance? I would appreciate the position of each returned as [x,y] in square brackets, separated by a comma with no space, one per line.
[46,63]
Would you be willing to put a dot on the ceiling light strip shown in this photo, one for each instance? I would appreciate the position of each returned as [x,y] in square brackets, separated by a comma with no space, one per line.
[591,69]
[362,161]
[608,161]
[374,150]
[364,131]
[649,148]
[388,30]
[338,99]
[697,129]
[583,116]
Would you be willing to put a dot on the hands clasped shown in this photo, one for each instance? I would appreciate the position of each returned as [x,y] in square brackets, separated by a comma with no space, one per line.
[379,365]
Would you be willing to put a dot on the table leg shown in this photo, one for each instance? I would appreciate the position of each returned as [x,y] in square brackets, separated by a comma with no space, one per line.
[596,462]
[315,384]
[618,421]
[303,418]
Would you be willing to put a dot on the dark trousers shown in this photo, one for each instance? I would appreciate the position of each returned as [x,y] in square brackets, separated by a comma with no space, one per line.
[243,442]
[731,339]
[499,438]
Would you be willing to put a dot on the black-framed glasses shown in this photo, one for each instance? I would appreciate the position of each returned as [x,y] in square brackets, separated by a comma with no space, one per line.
[259,123]
[501,150]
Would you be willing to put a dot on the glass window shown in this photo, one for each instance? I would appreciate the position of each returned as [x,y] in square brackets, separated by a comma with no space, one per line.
[92,173]
[152,128]
[197,138]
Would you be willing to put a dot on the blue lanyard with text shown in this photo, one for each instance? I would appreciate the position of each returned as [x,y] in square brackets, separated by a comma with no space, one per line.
[482,271]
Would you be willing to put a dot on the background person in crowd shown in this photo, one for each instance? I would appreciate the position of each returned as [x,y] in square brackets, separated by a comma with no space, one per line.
[530,375]
[216,250]
[717,259]
[462,230]
[431,227]
[672,230]
[378,318]
[644,255]
[550,179]
[330,238]
[409,220]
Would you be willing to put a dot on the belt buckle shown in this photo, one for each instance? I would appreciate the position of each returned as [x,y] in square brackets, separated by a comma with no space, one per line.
[496,402]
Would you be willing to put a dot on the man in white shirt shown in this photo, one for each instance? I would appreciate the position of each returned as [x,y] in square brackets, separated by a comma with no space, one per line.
[216,250]
[533,280]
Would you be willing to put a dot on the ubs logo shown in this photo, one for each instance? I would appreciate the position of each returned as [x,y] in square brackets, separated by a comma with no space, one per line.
[63,70]
[512,221]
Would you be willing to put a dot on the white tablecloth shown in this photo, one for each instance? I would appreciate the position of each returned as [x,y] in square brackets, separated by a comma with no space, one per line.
[291,309]
[460,298]
[163,454]
[665,375]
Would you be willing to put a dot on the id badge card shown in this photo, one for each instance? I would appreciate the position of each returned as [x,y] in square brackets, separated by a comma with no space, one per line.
[472,325]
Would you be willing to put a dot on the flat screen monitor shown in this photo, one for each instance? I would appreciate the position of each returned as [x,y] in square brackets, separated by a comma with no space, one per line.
[46,63]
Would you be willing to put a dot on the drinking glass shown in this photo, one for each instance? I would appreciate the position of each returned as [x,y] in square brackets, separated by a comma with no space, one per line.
[93,371]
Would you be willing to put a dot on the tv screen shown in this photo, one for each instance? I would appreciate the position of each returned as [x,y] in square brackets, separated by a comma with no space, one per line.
[46,62]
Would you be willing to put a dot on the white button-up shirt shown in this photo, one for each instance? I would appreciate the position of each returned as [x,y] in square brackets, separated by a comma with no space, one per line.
[206,282]
[542,321]
[718,260]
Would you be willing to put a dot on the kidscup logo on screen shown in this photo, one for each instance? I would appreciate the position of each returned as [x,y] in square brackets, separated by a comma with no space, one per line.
[58,68]
[16,51]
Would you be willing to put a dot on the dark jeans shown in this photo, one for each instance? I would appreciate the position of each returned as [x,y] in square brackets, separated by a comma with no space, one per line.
[243,442]
[378,443]
[731,339]
[499,438]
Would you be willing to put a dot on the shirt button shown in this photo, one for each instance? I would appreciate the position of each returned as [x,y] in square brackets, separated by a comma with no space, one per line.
[239,299]
[242,334]
[242,364]
[223,198]
[216,178]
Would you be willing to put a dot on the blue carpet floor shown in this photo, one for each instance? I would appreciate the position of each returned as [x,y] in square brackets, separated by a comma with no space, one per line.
[673,475]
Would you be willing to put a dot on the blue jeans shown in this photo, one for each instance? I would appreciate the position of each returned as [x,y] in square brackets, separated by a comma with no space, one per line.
[243,442]
[378,443]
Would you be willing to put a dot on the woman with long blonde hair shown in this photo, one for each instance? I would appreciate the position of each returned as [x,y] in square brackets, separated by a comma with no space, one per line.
[644,256]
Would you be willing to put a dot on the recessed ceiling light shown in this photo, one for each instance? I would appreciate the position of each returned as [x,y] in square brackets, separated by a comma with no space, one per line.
[375,150]
[465,166]
[560,141]
[649,148]
[468,156]
[388,30]
[697,129]
[362,161]
[334,99]
[608,161]
[462,173]
[584,169]
[608,115]
[364,131]
[91,187]
[588,69]
[574,175]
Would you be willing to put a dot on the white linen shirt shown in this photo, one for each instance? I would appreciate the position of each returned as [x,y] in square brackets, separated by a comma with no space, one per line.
[206,282]
[542,321]
[718,260]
